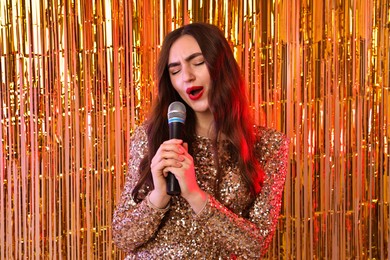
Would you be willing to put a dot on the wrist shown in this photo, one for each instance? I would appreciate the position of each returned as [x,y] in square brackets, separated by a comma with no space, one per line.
[198,201]
[157,200]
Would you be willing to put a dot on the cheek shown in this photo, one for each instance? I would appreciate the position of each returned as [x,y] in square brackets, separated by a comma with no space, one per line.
[174,83]
[178,89]
[176,86]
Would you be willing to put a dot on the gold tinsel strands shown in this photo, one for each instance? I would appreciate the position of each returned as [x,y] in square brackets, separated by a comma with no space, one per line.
[76,77]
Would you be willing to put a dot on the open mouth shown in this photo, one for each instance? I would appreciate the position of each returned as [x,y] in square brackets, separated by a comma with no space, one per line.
[195,92]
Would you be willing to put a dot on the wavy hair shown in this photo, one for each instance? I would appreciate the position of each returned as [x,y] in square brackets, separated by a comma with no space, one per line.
[227,88]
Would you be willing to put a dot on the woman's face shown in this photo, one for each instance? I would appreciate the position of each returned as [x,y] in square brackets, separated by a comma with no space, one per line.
[189,74]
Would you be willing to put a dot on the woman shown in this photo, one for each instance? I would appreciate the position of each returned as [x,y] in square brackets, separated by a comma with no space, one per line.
[231,173]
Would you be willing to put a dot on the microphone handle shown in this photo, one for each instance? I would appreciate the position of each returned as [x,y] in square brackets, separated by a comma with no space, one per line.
[175,132]
[173,187]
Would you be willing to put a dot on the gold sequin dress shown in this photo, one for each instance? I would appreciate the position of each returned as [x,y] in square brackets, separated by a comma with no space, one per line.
[235,225]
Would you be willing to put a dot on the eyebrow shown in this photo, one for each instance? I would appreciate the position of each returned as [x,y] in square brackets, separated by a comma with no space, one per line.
[192,56]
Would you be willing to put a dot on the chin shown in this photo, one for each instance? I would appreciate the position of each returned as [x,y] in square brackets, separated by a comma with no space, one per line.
[199,107]
[202,110]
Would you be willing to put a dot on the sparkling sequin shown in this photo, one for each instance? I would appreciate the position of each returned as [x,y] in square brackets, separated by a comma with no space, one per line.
[224,228]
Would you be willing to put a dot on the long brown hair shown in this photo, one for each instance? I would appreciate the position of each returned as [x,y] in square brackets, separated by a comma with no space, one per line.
[228,91]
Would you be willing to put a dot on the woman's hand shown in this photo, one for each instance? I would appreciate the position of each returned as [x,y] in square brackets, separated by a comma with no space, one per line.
[185,175]
[168,156]
[172,156]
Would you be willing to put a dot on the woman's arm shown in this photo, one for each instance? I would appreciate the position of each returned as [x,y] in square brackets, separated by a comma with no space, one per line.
[251,237]
[134,224]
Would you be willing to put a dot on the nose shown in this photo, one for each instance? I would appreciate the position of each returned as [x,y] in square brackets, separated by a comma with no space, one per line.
[187,74]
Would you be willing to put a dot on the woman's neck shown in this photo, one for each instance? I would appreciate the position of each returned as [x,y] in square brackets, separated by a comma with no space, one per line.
[204,124]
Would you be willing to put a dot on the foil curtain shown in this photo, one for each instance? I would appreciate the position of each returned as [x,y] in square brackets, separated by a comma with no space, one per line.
[76,77]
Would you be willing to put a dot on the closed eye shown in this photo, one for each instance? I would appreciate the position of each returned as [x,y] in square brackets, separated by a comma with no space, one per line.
[174,68]
[196,59]
[199,63]
[173,72]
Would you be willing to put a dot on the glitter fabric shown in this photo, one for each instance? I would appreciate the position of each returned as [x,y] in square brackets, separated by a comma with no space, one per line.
[235,225]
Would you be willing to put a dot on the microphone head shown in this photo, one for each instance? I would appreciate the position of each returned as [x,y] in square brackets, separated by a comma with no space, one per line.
[176,112]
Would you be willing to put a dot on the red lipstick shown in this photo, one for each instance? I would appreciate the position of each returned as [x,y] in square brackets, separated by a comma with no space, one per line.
[195,92]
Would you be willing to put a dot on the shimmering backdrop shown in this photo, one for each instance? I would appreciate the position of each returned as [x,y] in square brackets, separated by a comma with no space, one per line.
[76,77]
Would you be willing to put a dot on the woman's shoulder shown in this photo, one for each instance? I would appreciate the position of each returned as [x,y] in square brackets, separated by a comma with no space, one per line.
[263,133]
[139,139]
[139,132]
[269,141]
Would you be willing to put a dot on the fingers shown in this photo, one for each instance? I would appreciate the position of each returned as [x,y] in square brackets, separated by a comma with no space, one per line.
[172,156]
[185,145]
[181,165]
[169,154]
[166,158]
[169,165]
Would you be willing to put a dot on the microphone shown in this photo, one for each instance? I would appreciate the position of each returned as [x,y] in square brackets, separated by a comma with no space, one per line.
[176,119]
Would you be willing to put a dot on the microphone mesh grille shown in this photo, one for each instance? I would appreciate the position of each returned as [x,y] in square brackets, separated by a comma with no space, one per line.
[178,110]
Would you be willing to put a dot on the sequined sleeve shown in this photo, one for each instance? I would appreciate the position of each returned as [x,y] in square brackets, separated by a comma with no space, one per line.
[134,224]
[250,237]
